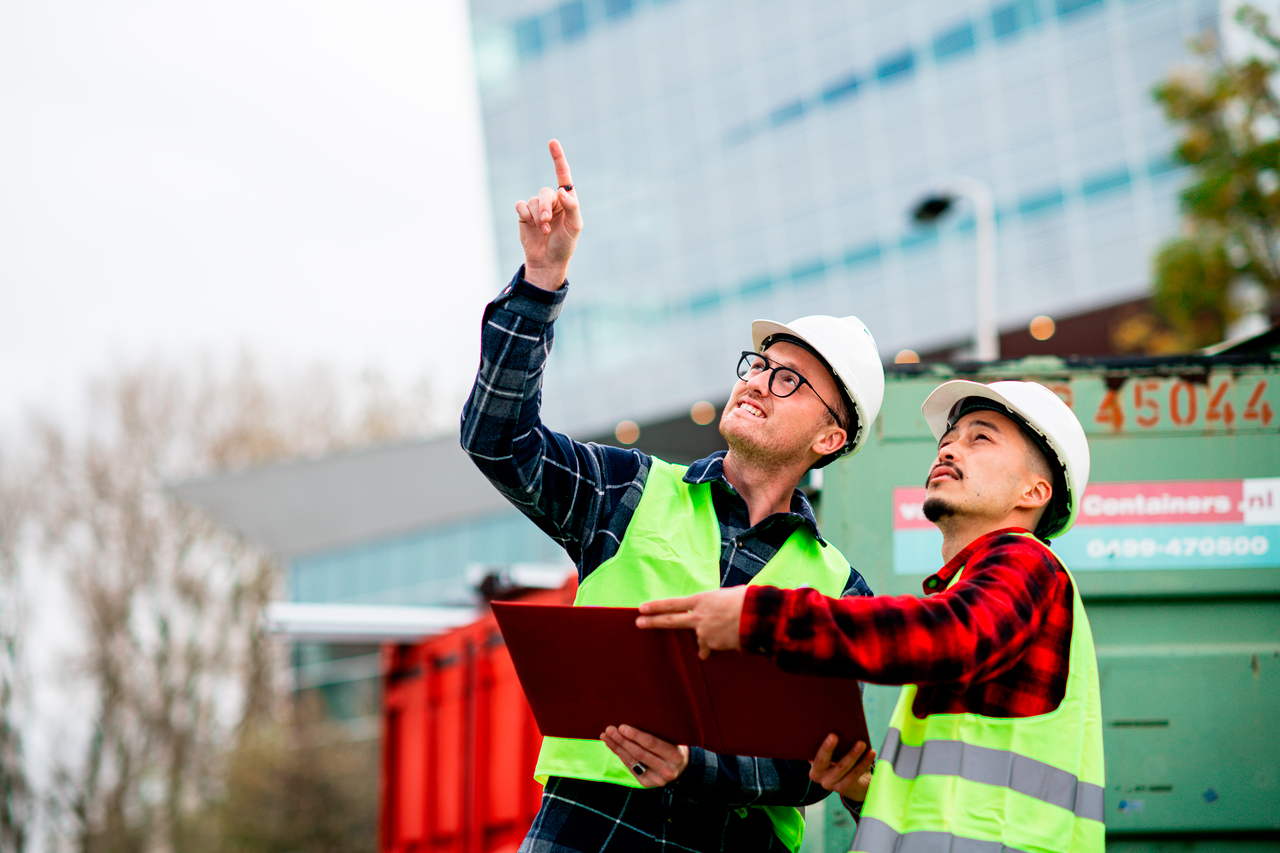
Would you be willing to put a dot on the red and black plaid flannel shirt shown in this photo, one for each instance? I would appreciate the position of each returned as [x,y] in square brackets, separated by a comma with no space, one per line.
[995,643]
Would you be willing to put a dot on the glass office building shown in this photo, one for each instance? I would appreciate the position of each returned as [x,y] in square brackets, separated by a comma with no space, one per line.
[759,158]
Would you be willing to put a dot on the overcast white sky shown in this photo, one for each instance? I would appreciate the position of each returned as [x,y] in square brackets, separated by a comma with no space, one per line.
[302,179]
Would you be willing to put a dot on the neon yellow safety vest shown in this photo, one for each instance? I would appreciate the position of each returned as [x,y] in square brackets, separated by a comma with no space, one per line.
[672,549]
[970,782]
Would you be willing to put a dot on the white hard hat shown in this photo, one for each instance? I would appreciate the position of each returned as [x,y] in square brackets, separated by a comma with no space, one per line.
[850,353]
[1050,422]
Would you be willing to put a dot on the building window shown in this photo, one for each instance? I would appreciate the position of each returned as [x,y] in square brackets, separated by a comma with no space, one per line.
[1007,20]
[528,38]
[573,20]
[790,112]
[708,300]
[1070,7]
[861,254]
[954,41]
[809,269]
[617,8]
[1042,202]
[1102,183]
[840,89]
[896,66]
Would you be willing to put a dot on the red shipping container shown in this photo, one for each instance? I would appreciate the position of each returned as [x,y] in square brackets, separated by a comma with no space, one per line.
[459,743]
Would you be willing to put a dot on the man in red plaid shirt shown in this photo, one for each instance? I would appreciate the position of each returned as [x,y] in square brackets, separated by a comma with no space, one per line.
[1002,689]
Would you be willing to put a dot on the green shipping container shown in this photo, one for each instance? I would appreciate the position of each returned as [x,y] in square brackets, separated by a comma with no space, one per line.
[1177,554]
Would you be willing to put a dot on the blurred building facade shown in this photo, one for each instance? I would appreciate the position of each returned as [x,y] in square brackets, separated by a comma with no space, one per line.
[759,159]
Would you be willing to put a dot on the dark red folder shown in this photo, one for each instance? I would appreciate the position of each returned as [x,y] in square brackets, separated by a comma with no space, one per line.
[585,668]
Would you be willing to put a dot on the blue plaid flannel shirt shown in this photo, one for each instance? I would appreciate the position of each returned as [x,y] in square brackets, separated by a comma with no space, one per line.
[583,496]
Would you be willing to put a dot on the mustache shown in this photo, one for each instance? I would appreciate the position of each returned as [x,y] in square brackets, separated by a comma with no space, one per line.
[945,466]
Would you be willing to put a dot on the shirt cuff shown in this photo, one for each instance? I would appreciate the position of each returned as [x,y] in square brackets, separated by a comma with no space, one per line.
[694,775]
[529,301]
[761,610]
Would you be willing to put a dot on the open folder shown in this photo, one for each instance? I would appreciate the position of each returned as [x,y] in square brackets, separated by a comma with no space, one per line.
[585,668]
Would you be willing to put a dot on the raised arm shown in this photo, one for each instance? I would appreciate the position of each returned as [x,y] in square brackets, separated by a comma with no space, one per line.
[567,488]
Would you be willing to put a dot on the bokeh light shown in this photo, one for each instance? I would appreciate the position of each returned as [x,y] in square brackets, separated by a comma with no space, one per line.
[702,413]
[627,432]
[1042,328]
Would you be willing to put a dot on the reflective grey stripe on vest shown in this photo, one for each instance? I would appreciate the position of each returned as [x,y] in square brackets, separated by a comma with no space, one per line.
[875,836]
[1036,779]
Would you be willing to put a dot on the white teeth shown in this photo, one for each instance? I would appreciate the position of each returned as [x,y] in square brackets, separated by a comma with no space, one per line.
[755,410]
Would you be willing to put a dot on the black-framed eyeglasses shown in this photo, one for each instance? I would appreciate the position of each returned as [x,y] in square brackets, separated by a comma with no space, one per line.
[783,381]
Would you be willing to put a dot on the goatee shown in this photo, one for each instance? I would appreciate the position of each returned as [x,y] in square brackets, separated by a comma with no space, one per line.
[936,508]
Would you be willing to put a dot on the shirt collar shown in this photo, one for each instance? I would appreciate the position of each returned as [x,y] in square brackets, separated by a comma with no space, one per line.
[939,580]
[711,469]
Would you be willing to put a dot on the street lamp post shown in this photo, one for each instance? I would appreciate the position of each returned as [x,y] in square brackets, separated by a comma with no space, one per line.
[929,209]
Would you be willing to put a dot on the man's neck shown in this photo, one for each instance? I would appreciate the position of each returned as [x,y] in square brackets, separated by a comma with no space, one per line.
[958,533]
[766,490]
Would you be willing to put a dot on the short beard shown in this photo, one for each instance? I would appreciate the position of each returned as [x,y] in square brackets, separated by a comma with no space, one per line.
[765,458]
[936,509]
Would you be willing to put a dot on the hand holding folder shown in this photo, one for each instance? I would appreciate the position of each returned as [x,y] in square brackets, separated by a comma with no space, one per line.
[586,668]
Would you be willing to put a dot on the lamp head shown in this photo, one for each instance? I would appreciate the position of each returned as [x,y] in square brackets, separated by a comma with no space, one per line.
[932,207]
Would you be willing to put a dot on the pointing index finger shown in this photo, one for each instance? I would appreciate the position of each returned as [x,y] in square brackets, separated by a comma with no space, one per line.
[563,177]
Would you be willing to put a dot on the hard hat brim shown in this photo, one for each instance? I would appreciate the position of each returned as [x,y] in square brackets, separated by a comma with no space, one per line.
[938,405]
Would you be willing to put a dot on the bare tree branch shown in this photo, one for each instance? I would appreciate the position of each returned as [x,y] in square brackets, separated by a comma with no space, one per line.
[171,605]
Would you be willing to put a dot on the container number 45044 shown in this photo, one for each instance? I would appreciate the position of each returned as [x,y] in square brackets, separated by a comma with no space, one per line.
[1149,403]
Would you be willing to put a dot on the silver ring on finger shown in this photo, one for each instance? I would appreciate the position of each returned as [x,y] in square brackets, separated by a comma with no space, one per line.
[639,769]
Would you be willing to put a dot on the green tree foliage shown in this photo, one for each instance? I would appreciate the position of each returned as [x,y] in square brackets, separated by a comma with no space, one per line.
[1228,117]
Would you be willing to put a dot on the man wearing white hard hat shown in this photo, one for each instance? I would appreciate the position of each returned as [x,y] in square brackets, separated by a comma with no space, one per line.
[639,528]
[996,741]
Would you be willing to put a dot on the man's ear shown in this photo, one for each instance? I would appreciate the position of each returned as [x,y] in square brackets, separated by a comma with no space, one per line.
[1037,493]
[832,439]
